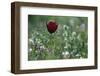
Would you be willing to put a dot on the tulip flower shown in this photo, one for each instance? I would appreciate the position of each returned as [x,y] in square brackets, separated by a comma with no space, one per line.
[52,26]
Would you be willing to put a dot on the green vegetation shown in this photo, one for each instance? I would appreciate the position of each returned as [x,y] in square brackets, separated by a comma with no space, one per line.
[69,41]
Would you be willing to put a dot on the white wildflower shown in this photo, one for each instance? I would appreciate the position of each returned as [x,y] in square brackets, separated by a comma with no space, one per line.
[42,47]
[65,47]
[78,37]
[64,26]
[65,54]
[77,55]
[73,33]
[31,41]
[30,49]
[38,40]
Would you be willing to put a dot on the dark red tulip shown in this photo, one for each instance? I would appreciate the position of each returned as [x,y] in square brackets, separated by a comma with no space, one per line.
[52,26]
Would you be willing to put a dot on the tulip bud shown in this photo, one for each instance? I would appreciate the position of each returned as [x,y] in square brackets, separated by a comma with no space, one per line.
[52,26]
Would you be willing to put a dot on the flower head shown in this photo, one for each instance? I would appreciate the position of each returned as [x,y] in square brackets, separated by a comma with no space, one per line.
[52,26]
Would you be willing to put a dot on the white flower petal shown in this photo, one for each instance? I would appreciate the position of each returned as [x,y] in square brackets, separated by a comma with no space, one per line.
[74,33]
[30,49]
